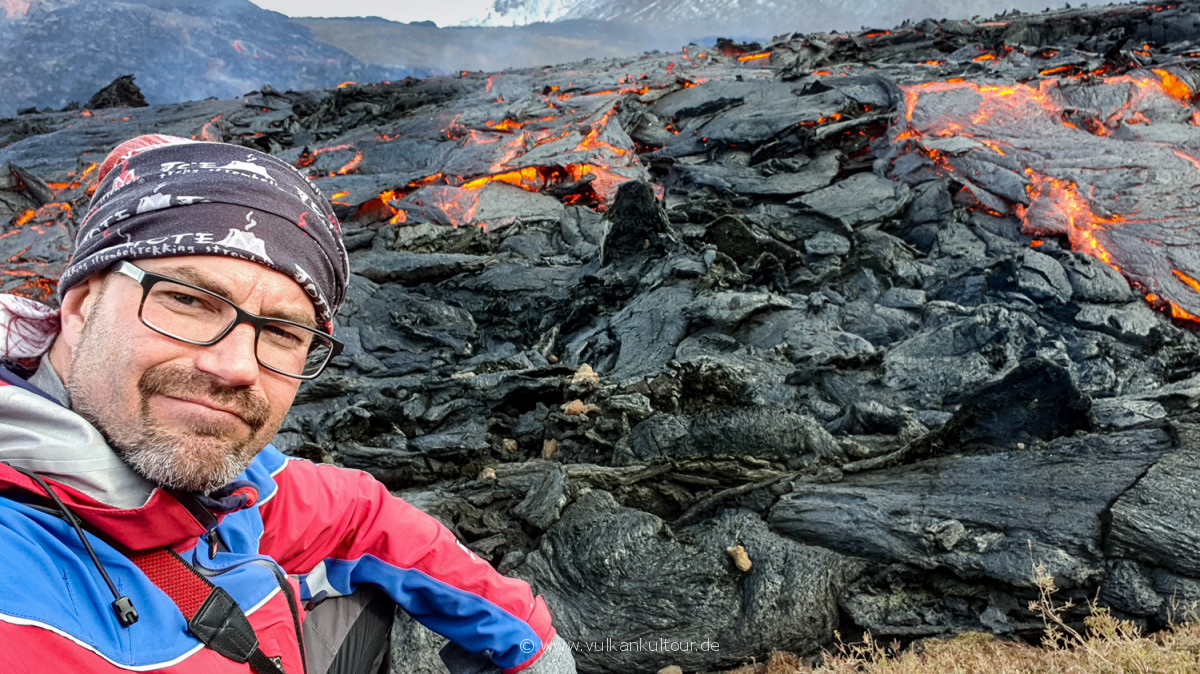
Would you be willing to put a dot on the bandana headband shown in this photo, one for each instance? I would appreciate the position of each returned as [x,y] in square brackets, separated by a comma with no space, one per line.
[161,196]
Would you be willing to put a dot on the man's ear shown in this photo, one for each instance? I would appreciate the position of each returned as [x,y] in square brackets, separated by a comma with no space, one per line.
[77,305]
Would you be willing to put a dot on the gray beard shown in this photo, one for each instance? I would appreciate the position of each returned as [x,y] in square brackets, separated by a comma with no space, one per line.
[157,458]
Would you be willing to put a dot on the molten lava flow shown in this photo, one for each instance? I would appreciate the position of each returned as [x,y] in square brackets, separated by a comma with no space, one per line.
[79,179]
[582,149]
[25,272]
[529,178]
[1011,124]
[382,206]
[591,140]
[1187,279]
[210,132]
[1174,309]
[350,166]
[1057,70]
[57,211]
[1055,205]
[33,286]
[575,151]
[1174,86]
[309,157]
[457,204]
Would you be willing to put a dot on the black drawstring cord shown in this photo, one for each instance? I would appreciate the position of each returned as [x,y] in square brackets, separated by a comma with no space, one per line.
[122,605]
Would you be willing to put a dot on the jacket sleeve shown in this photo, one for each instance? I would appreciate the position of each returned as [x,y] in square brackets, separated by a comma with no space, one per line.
[337,528]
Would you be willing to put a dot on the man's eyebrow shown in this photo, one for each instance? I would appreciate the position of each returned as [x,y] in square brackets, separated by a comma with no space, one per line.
[203,280]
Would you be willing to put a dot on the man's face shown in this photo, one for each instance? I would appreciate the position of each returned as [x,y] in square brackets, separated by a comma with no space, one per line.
[186,417]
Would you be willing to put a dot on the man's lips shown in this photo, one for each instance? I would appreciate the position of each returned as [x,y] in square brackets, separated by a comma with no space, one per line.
[209,405]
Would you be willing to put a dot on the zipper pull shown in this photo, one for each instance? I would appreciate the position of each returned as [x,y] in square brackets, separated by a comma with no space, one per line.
[213,539]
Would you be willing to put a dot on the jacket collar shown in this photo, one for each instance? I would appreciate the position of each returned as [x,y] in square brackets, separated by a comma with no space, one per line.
[47,380]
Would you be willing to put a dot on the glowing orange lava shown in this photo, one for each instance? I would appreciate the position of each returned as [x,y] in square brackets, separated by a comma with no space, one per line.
[350,166]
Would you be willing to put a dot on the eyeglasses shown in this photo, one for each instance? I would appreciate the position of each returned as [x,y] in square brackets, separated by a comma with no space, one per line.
[197,316]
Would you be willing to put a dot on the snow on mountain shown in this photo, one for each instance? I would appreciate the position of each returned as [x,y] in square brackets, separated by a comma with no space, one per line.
[525,12]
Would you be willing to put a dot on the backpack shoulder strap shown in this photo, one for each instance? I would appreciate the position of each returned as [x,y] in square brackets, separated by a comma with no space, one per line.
[212,614]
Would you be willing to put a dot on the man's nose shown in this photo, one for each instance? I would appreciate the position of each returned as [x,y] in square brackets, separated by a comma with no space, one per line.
[232,359]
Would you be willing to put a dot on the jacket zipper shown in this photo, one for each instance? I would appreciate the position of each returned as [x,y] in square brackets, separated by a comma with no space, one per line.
[213,538]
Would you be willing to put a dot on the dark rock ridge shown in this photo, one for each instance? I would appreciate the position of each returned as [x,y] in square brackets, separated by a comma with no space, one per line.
[850,303]
[120,93]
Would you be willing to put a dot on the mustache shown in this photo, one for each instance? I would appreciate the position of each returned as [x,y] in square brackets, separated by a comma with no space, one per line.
[182,382]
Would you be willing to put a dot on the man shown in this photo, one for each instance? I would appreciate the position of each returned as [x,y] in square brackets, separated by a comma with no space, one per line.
[146,523]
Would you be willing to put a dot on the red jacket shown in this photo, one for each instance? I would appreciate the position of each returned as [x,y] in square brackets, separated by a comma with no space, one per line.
[289,530]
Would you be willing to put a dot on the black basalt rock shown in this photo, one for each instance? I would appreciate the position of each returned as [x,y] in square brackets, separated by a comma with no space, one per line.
[1037,400]
[120,93]
[600,558]
[637,222]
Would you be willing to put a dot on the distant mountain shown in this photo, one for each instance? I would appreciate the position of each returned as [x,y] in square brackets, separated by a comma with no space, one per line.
[548,32]
[425,48]
[59,51]
[754,18]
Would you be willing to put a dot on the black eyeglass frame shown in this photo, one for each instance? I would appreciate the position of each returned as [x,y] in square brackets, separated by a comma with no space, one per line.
[147,280]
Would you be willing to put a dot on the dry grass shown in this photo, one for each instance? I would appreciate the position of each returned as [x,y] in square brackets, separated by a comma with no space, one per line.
[1105,645]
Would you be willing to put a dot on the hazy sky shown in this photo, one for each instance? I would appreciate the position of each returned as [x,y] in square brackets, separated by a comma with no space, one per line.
[442,12]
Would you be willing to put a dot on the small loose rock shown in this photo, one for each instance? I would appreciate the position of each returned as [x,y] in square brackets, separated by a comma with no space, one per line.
[740,559]
[585,375]
[548,449]
[576,407]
